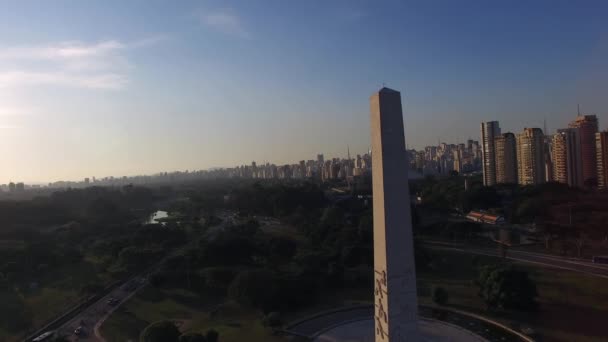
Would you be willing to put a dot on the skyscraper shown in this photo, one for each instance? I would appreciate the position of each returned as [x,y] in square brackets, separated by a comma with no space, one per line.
[506,158]
[588,126]
[396,316]
[601,143]
[530,157]
[489,131]
[565,152]
[457,160]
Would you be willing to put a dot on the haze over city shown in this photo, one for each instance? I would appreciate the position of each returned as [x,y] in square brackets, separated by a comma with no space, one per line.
[122,89]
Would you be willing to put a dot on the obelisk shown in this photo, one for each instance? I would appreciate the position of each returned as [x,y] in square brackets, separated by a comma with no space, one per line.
[396,312]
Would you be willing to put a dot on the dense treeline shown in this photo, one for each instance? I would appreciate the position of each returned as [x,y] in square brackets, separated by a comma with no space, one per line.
[568,220]
[74,241]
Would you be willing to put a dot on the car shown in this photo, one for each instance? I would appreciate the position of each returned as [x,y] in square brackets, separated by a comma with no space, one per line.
[600,259]
[112,301]
[130,286]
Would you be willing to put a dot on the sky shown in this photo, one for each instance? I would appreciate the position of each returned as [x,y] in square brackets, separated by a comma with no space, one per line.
[100,88]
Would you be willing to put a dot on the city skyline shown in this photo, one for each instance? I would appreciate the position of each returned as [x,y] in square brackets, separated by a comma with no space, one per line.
[194,85]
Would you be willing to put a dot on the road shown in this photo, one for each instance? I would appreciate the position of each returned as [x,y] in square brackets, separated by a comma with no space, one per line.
[93,316]
[538,259]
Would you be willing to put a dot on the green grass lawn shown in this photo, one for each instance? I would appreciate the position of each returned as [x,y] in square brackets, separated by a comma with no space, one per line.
[573,306]
[233,322]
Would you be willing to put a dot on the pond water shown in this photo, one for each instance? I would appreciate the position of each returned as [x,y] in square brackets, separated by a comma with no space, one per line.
[156,216]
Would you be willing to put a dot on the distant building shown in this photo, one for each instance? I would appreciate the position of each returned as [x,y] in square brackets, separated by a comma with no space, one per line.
[530,157]
[566,156]
[11,187]
[588,126]
[489,131]
[19,187]
[601,142]
[481,217]
[506,158]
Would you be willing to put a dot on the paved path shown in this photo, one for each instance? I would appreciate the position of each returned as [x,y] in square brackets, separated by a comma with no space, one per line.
[538,259]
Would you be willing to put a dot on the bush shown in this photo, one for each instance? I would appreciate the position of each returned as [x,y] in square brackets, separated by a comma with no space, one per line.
[440,296]
[212,336]
[163,331]
[506,288]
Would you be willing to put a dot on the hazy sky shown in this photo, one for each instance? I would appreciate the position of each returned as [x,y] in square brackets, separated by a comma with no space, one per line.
[129,87]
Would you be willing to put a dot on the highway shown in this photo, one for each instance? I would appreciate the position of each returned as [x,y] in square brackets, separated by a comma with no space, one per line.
[92,317]
[537,259]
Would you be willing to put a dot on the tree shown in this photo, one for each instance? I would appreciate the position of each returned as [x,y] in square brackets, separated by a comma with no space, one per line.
[504,287]
[192,337]
[60,339]
[227,249]
[255,288]
[273,320]
[580,240]
[163,331]
[440,296]
[14,315]
[212,336]
[530,208]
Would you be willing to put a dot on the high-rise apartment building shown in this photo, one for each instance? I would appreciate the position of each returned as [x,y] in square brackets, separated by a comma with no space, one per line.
[588,126]
[566,156]
[489,131]
[530,157]
[506,158]
[458,160]
[601,143]
[320,160]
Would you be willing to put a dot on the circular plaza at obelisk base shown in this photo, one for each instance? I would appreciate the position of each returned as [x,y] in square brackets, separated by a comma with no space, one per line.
[429,330]
[356,324]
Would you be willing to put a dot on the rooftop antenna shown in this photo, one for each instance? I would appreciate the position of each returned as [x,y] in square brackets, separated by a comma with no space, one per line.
[348,152]
[545,125]
[578,109]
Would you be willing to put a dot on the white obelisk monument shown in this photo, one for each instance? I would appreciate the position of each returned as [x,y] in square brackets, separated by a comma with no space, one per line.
[396,312]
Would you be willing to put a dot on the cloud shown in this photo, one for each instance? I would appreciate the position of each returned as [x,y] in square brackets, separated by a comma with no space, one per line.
[64,51]
[9,126]
[32,78]
[7,111]
[98,65]
[225,21]
[152,40]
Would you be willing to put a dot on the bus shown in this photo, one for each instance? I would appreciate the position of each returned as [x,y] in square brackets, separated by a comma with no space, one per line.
[600,259]
[46,336]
